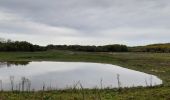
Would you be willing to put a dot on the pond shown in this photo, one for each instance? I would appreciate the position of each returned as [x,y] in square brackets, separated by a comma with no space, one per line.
[63,75]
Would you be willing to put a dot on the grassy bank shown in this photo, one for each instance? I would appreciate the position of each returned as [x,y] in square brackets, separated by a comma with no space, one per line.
[154,63]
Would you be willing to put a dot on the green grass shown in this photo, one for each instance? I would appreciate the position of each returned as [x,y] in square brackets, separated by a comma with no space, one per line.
[153,63]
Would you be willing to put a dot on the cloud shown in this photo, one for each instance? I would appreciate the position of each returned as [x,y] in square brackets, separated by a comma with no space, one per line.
[94,22]
[11,23]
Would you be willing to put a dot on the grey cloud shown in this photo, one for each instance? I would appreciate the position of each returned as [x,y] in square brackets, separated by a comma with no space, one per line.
[103,21]
[91,14]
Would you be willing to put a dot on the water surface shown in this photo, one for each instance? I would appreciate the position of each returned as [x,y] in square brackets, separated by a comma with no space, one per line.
[62,75]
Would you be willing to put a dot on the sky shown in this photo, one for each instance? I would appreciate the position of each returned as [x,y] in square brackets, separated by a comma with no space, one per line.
[86,22]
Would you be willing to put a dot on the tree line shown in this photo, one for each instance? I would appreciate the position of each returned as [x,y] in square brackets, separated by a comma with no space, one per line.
[19,46]
[26,46]
[8,45]
[105,48]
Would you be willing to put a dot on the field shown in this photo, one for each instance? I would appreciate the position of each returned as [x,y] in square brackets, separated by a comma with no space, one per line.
[153,63]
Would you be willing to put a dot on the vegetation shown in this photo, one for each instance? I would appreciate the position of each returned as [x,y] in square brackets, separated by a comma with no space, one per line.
[157,93]
[152,63]
[8,45]
[106,48]
[19,46]
[25,46]
[158,48]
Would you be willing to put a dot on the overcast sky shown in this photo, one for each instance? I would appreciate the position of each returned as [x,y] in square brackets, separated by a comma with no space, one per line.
[86,22]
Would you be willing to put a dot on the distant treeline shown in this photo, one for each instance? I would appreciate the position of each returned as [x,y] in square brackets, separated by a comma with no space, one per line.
[106,48]
[19,46]
[26,46]
[9,45]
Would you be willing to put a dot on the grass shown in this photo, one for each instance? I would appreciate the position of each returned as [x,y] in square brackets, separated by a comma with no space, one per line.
[153,63]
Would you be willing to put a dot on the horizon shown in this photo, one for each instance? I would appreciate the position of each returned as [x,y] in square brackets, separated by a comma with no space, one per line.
[2,39]
[86,22]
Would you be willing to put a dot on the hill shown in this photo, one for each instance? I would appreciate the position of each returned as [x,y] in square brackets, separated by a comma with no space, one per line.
[159,48]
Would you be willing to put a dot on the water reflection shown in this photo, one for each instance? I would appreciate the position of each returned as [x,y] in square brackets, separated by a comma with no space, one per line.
[12,63]
[61,75]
